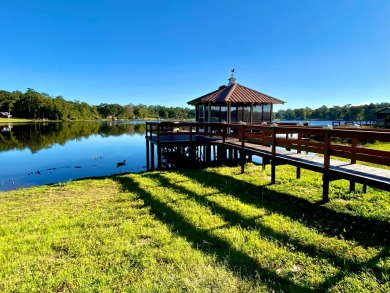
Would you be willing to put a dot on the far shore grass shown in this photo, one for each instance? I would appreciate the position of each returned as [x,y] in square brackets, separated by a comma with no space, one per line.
[14,120]
[211,230]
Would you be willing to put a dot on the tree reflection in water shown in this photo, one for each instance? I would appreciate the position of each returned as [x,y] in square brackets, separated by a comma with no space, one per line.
[36,136]
[41,153]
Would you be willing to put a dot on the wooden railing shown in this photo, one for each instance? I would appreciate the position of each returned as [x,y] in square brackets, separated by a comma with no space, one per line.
[347,143]
[343,143]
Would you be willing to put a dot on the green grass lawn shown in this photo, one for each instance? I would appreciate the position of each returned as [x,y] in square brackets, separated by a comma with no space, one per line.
[211,230]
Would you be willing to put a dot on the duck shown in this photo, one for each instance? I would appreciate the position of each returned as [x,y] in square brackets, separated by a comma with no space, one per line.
[121,163]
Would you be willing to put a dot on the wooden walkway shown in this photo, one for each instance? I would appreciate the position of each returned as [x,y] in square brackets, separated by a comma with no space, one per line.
[356,173]
[304,147]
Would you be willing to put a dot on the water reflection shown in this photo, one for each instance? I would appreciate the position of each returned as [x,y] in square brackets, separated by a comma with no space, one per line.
[37,136]
[35,154]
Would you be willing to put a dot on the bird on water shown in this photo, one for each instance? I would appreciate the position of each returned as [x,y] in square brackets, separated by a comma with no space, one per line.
[121,163]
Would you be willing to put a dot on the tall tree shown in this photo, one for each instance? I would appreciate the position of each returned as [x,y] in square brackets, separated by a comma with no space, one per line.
[8,100]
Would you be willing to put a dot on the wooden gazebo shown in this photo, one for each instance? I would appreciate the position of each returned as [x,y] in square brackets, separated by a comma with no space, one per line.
[383,117]
[234,103]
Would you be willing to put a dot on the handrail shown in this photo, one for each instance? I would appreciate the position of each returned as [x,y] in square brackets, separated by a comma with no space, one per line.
[338,142]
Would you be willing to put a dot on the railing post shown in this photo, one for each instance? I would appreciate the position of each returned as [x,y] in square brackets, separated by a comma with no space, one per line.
[242,136]
[242,151]
[325,176]
[224,130]
[298,175]
[273,156]
[352,184]
[353,150]
[326,149]
[158,133]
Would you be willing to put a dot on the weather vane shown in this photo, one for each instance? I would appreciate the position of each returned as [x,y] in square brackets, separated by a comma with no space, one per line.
[232,71]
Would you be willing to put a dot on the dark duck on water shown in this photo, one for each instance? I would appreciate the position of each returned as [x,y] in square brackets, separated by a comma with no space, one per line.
[119,164]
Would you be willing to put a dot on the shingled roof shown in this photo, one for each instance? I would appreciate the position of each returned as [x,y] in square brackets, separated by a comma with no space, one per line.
[236,93]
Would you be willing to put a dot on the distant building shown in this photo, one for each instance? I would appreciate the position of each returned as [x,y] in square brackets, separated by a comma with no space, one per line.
[234,103]
[383,117]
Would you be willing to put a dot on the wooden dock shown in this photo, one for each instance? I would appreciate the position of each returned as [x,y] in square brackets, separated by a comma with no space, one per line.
[336,153]
[353,122]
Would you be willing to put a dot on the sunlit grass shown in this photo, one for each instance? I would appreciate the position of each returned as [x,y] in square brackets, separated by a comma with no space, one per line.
[13,120]
[212,230]
[384,146]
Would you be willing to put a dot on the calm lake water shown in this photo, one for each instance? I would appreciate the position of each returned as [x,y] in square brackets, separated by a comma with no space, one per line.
[37,153]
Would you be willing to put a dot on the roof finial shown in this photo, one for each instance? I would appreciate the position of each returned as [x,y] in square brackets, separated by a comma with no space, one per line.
[232,80]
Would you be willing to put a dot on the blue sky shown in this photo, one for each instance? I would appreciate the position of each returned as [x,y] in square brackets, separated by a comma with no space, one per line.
[308,53]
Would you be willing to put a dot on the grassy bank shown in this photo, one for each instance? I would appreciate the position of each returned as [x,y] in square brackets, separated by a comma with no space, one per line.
[14,120]
[213,230]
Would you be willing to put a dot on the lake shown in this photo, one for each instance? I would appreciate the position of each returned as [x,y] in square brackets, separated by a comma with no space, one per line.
[37,153]
[42,153]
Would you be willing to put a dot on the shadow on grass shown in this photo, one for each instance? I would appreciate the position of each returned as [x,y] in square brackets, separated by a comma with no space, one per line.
[239,262]
[234,218]
[367,232]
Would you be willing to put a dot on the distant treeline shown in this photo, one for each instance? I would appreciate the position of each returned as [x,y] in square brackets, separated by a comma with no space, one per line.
[347,112]
[35,105]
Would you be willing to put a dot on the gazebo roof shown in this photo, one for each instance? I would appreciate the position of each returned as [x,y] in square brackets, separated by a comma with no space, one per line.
[235,93]
[383,111]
